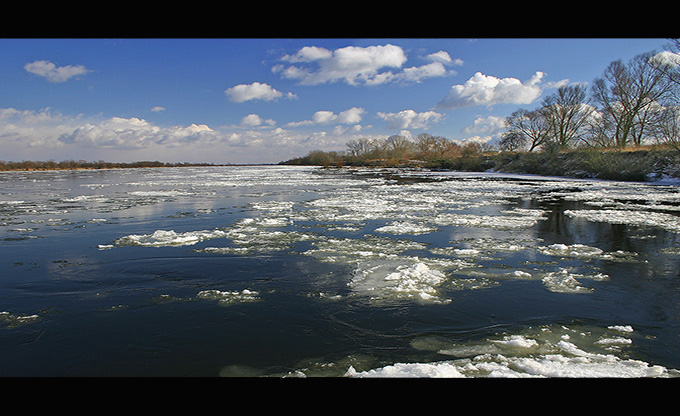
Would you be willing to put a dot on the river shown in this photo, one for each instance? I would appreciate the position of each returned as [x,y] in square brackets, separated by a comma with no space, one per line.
[282,271]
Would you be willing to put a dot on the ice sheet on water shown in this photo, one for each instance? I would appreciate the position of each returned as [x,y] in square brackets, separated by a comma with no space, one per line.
[350,250]
[161,238]
[564,281]
[398,279]
[406,227]
[635,218]
[257,235]
[517,218]
[545,351]
[585,252]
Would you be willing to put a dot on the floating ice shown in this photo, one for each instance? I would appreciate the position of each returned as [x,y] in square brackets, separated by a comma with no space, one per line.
[256,235]
[160,193]
[564,281]
[161,238]
[414,280]
[516,219]
[585,252]
[517,341]
[349,250]
[575,250]
[265,222]
[521,274]
[229,297]
[500,366]
[406,227]
[635,218]
[13,320]
[539,353]
[259,241]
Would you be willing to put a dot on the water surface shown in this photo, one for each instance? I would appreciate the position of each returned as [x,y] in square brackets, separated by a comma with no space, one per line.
[300,272]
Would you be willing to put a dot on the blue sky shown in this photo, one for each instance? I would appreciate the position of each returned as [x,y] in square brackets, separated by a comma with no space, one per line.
[261,100]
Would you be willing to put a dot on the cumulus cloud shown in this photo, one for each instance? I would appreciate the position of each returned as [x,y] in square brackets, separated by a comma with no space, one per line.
[49,130]
[372,65]
[350,116]
[418,73]
[254,120]
[666,58]
[54,73]
[444,58]
[488,90]
[489,125]
[157,109]
[130,133]
[255,91]
[44,135]
[409,119]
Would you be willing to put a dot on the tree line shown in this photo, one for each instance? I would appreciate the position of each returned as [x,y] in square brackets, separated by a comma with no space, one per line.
[630,105]
[82,164]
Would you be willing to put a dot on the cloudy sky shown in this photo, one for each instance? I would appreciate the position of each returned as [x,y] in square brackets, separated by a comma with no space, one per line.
[268,100]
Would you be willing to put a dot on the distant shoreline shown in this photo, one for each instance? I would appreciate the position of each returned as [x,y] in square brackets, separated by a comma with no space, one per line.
[637,165]
[33,166]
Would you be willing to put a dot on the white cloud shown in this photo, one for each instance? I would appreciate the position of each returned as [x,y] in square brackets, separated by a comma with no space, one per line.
[350,116]
[372,65]
[477,139]
[417,73]
[254,120]
[444,58]
[157,109]
[489,125]
[45,135]
[53,73]
[409,119]
[488,90]
[130,133]
[31,129]
[666,58]
[309,54]
[255,91]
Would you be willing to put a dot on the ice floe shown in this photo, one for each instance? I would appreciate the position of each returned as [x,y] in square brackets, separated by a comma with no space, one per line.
[381,280]
[229,297]
[548,351]
[161,238]
[665,221]
[13,320]
[406,227]
[564,281]
[514,219]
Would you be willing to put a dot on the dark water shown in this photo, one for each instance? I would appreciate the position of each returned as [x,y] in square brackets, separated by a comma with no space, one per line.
[293,272]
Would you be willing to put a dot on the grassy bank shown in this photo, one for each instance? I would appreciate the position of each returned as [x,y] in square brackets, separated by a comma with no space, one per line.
[643,164]
[632,165]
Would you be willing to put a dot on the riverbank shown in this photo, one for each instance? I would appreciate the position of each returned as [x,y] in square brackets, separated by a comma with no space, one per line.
[635,165]
[83,165]
[638,165]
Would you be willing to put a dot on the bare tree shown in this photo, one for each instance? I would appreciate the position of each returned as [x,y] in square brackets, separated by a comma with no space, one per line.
[626,93]
[667,127]
[397,146]
[530,124]
[668,63]
[512,141]
[431,147]
[567,113]
[362,147]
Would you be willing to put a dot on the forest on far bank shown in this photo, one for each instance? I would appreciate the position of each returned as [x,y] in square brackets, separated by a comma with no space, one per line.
[28,165]
[624,125]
